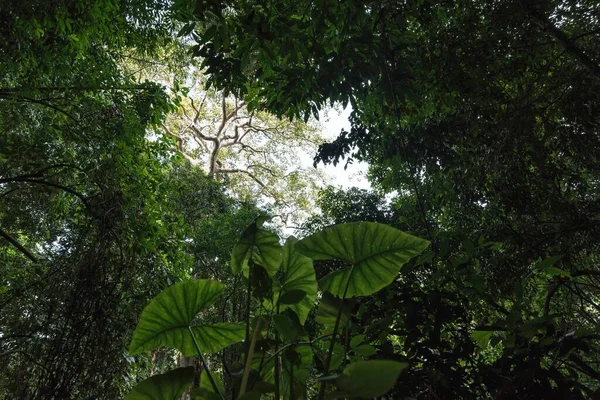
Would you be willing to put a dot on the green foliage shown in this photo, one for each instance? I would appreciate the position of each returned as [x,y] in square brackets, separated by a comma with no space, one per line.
[95,215]
[168,386]
[268,253]
[296,288]
[375,253]
[329,308]
[280,359]
[476,119]
[167,321]
[366,379]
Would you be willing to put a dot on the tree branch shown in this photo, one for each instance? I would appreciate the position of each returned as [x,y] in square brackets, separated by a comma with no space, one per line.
[243,171]
[18,245]
[565,41]
[26,179]
[202,135]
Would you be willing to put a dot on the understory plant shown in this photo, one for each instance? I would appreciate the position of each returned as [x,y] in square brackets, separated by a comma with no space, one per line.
[289,350]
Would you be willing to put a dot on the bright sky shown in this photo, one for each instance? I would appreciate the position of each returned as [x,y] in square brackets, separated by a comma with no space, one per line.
[355,174]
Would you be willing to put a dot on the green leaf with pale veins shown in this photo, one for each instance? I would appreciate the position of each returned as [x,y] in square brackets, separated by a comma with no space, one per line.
[376,252]
[166,320]
[169,386]
[368,379]
[262,245]
[215,337]
[298,275]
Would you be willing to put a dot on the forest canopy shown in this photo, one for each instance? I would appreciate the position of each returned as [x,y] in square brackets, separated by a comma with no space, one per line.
[150,170]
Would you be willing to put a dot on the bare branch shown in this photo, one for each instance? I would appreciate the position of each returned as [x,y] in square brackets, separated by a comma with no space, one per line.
[245,147]
[179,138]
[269,170]
[243,171]
[199,133]
[226,118]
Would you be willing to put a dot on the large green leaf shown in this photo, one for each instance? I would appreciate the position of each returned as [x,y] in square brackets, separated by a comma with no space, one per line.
[298,276]
[215,337]
[262,245]
[169,386]
[328,310]
[301,359]
[206,390]
[288,325]
[376,252]
[368,379]
[166,320]
[203,394]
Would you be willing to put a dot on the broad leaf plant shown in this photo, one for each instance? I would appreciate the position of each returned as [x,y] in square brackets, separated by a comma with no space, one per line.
[281,359]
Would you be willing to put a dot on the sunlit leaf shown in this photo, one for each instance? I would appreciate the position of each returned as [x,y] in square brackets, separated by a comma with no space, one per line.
[262,245]
[166,320]
[482,338]
[298,276]
[215,337]
[375,252]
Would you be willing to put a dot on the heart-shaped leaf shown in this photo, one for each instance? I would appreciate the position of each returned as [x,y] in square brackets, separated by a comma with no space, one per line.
[327,312]
[262,245]
[298,287]
[166,320]
[169,386]
[365,350]
[368,379]
[215,337]
[292,297]
[288,325]
[375,252]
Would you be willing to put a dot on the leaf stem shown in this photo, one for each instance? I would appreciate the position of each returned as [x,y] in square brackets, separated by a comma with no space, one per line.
[287,346]
[277,372]
[206,368]
[333,337]
[249,298]
[249,356]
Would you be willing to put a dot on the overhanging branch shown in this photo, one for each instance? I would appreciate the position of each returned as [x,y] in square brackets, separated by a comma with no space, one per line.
[18,245]
[565,41]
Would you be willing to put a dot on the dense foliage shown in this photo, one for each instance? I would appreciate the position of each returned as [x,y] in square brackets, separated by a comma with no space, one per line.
[478,120]
[279,358]
[477,117]
[93,222]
